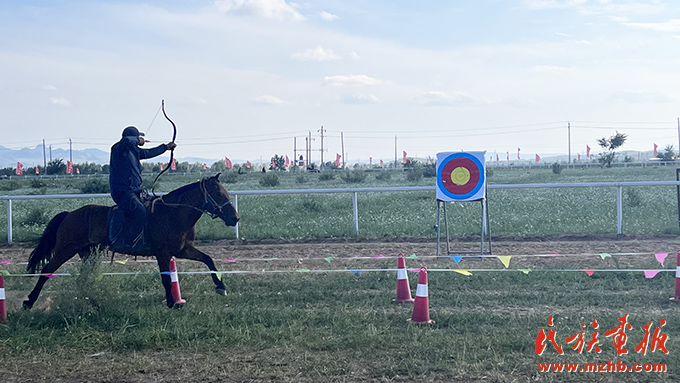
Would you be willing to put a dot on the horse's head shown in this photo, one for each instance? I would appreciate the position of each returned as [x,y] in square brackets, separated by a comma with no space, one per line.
[217,202]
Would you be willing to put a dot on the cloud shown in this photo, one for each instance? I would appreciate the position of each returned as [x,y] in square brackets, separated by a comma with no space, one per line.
[327,16]
[553,69]
[437,98]
[351,80]
[59,101]
[270,9]
[672,25]
[359,98]
[268,100]
[641,97]
[49,87]
[316,54]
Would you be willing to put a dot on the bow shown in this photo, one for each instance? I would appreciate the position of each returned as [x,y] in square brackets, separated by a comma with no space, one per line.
[172,151]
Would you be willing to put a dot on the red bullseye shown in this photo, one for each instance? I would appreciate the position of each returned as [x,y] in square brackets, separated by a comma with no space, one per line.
[460,175]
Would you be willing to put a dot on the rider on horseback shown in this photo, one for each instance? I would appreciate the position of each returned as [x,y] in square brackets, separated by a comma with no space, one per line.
[125,180]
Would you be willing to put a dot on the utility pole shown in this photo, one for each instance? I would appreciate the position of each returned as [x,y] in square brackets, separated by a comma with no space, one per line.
[50,153]
[569,140]
[70,151]
[342,148]
[321,130]
[295,159]
[395,151]
[44,155]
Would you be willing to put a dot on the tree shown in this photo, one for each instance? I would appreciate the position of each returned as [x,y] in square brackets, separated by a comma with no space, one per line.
[56,166]
[280,162]
[609,145]
[667,155]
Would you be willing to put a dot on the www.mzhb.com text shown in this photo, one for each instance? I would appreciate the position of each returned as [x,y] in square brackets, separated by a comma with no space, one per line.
[609,366]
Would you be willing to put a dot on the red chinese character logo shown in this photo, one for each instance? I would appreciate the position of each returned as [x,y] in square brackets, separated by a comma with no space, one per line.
[619,336]
[580,342]
[542,338]
[658,339]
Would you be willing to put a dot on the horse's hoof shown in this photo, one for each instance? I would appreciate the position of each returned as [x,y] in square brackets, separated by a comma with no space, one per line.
[221,291]
[27,305]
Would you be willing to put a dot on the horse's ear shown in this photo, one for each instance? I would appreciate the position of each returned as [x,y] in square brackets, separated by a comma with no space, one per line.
[217,177]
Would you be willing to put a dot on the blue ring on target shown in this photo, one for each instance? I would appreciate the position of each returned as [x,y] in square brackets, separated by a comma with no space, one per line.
[476,167]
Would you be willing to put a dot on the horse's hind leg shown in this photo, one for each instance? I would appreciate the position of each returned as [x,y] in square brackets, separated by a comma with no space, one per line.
[60,257]
[191,252]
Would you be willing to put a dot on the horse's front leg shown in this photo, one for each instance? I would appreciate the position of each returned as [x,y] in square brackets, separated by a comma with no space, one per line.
[190,252]
[164,267]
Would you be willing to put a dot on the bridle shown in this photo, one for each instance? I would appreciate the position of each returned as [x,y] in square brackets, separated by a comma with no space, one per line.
[209,206]
[209,201]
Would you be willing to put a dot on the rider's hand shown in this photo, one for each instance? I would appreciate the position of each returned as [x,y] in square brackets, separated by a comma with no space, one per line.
[171,145]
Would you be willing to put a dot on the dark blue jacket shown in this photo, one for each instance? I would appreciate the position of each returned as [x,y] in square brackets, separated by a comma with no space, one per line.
[126,170]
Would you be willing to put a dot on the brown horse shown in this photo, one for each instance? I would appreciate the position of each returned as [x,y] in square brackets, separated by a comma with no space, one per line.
[169,232]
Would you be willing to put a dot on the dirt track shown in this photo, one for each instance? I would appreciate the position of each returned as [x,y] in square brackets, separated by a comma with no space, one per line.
[572,245]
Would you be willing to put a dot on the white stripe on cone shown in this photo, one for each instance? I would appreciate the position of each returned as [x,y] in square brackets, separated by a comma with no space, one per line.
[2,294]
[421,291]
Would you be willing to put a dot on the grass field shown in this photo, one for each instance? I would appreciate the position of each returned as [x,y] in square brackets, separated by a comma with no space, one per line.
[336,326]
[514,213]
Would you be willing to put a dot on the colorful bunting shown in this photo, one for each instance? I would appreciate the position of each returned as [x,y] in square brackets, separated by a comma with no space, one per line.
[505,259]
[589,272]
[377,256]
[302,270]
[525,271]
[329,259]
[123,262]
[7,262]
[412,256]
[457,258]
[661,257]
[229,260]
[649,274]
[462,271]
[604,255]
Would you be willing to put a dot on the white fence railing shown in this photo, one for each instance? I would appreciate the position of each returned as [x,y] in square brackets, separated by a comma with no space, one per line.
[355,192]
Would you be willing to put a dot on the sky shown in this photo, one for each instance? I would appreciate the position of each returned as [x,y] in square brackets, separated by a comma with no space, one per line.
[248,79]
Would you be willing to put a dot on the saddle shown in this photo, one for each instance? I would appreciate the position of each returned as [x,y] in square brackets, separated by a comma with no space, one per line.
[119,238]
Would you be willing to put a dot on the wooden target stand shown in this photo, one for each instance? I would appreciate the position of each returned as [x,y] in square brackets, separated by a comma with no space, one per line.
[461,177]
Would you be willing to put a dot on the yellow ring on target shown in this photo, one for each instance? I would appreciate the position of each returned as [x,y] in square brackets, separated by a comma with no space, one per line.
[460,176]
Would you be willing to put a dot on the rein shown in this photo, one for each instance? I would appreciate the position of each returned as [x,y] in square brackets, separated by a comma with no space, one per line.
[208,201]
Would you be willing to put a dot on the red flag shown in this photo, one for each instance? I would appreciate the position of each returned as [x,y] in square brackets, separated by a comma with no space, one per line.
[205,166]
[173,164]
[587,151]
[273,164]
[337,160]
[77,170]
[381,162]
[370,160]
[538,158]
[404,156]
[37,170]
[579,158]
[248,163]
[507,155]
[496,157]
[161,166]
[518,153]
[20,168]
[655,151]
[287,161]
[227,163]
[69,167]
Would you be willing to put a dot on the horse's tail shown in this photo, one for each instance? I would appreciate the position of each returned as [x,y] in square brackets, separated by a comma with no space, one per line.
[43,252]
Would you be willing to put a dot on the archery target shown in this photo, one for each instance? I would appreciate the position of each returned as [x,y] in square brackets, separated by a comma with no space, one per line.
[461,176]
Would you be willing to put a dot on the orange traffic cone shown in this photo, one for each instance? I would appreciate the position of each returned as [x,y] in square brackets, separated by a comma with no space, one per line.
[421,308]
[174,290]
[403,287]
[3,308]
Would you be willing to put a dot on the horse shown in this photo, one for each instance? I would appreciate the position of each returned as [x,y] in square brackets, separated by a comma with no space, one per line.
[169,232]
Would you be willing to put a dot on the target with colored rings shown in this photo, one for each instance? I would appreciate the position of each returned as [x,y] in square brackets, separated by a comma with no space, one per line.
[460,176]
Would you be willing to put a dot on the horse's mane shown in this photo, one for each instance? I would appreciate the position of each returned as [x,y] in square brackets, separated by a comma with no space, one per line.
[179,192]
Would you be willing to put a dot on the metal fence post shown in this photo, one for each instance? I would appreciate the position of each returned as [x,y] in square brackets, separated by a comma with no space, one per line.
[619,209]
[9,221]
[356,214]
[236,207]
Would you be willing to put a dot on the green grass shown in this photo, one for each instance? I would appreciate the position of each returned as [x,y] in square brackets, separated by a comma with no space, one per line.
[336,325]
[514,212]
